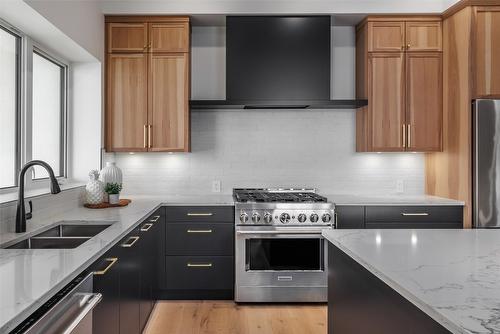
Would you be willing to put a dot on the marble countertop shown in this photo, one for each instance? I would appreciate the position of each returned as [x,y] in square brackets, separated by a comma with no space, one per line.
[425,200]
[29,277]
[451,275]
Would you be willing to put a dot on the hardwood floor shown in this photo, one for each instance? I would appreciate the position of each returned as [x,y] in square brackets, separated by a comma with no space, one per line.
[221,317]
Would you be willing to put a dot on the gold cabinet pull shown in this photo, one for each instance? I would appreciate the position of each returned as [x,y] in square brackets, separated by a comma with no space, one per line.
[146,227]
[112,261]
[195,214]
[408,46]
[409,135]
[155,219]
[199,231]
[199,265]
[145,135]
[130,242]
[409,214]
[404,135]
[150,129]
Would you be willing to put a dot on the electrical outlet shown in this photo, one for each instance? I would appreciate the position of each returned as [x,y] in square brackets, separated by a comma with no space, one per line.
[400,186]
[216,186]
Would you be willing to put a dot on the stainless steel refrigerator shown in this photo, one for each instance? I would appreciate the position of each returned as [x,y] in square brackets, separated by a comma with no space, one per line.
[486,163]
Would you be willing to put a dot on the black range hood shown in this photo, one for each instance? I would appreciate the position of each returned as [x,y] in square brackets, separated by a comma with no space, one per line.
[278,62]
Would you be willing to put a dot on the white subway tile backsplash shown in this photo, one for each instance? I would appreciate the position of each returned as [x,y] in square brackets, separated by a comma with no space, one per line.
[271,148]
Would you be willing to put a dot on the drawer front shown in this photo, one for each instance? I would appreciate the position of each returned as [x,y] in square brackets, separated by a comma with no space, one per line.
[415,225]
[199,272]
[204,214]
[199,239]
[405,214]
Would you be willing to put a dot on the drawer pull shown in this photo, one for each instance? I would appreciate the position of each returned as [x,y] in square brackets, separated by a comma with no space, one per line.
[285,278]
[155,219]
[199,265]
[130,242]
[112,261]
[414,214]
[195,214]
[146,227]
[199,231]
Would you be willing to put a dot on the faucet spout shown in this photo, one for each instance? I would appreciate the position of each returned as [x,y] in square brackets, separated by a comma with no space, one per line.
[21,211]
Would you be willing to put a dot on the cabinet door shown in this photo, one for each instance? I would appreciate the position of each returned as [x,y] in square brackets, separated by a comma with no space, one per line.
[424,94]
[127,37]
[130,286]
[106,315]
[126,102]
[350,216]
[487,51]
[423,36]
[386,86]
[169,110]
[386,36]
[169,37]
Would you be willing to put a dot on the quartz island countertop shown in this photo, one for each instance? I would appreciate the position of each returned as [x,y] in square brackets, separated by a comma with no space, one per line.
[451,275]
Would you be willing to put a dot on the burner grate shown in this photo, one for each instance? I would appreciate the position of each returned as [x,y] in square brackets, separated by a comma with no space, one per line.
[281,196]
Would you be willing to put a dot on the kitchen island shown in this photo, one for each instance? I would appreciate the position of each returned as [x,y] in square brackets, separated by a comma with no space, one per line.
[413,281]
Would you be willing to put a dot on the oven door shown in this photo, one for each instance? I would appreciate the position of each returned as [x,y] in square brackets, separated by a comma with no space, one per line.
[286,257]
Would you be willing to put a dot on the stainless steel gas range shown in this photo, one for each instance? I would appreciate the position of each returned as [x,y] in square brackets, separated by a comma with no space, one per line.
[280,254]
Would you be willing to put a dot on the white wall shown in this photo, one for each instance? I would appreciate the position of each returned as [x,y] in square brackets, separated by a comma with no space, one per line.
[80,20]
[270,147]
[85,123]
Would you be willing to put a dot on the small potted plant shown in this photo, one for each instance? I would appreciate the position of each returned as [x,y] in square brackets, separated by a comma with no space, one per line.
[113,190]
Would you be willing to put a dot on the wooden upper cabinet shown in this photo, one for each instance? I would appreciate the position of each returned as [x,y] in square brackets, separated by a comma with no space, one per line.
[424,95]
[424,36]
[168,98]
[386,36]
[386,87]
[147,84]
[126,102]
[487,51]
[169,37]
[399,71]
[127,37]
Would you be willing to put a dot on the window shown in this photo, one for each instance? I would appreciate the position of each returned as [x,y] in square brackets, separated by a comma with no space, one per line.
[47,114]
[9,107]
[33,98]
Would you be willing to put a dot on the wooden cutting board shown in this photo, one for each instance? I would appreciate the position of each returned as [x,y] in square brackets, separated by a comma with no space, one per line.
[104,205]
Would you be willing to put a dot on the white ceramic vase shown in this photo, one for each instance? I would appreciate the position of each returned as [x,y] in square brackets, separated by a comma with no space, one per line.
[94,190]
[110,174]
[114,198]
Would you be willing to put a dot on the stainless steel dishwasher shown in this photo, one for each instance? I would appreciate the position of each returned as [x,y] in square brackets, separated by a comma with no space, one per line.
[69,311]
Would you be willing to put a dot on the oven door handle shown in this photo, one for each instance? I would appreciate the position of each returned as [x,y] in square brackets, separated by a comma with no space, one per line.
[288,231]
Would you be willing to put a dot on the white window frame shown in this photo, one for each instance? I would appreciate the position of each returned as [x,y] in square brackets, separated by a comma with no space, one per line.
[25,108]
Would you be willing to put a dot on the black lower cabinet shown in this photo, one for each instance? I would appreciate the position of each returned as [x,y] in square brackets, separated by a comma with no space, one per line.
[127,277]
[198,254]
[130,287]
[148,249]
[359,302]
[106,315]
[399,217]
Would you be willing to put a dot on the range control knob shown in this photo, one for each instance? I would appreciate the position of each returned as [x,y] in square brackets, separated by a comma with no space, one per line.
[314,218]
[302,217]
[243,217]
[285,218]
[326,218]
[268,218]
[255,217]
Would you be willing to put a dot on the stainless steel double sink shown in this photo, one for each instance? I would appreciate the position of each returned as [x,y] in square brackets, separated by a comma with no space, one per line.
[65,235]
